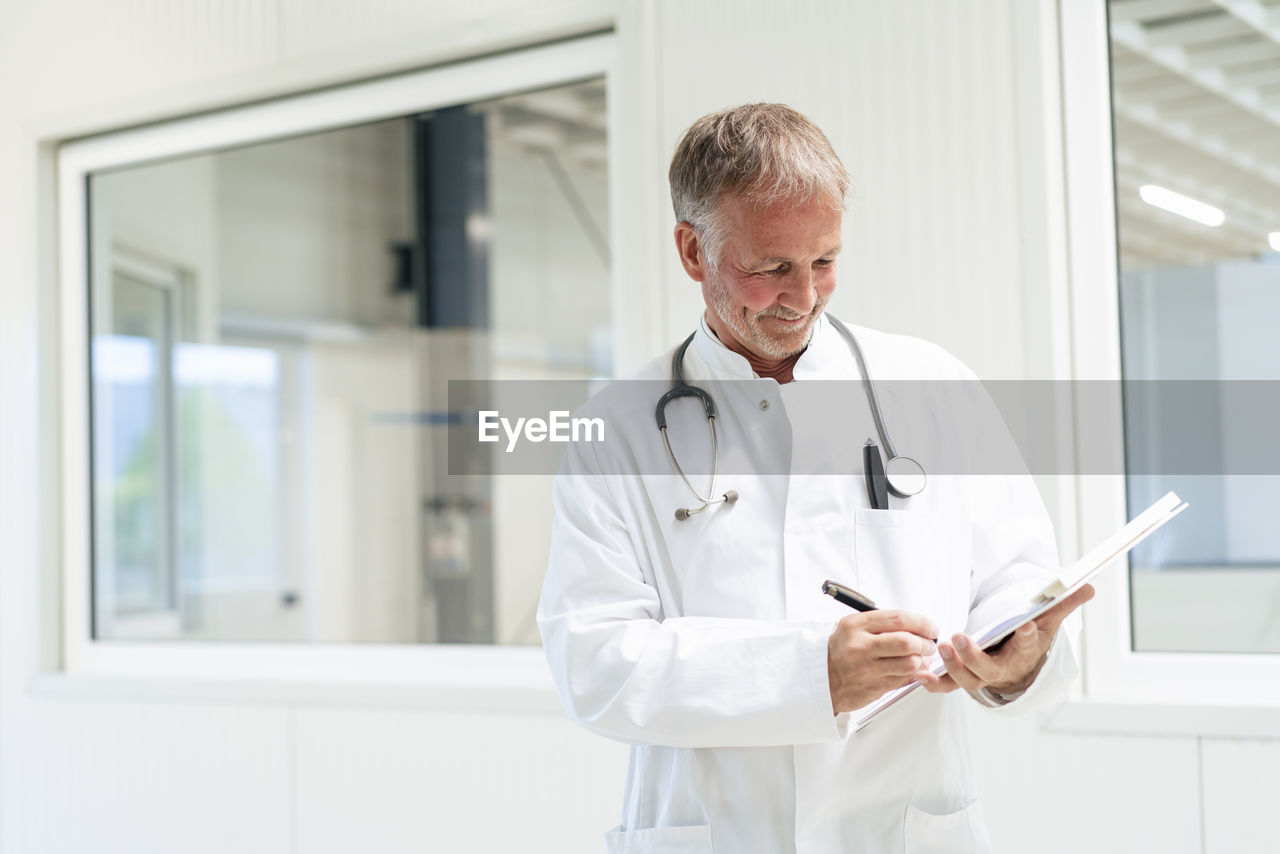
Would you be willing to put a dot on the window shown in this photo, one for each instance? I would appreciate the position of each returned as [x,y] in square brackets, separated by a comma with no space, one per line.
[1181,306]
[276,299]
[1197,193]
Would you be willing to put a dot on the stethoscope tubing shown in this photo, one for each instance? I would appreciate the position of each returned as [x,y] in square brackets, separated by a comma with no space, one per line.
[868,385]
[715,454]
[682,388]
[892,457]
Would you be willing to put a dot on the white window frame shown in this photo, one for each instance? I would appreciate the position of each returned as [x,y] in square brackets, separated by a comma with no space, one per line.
[1113,672]
[169,279]
[448,673]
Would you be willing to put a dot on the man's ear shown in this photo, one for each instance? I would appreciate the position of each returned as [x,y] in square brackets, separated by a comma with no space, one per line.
[692,256]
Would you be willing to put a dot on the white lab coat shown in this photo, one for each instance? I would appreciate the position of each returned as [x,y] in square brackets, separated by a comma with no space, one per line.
[703,643]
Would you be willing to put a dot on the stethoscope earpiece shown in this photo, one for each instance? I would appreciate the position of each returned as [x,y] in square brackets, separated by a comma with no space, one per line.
[683,513]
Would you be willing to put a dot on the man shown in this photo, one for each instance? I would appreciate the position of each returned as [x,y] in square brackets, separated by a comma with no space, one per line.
[703,639]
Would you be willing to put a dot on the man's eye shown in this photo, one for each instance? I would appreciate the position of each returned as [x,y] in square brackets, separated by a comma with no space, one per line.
[824,262]
[773,271]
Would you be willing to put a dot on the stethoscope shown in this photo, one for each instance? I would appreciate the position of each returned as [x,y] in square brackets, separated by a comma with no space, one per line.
[903,476]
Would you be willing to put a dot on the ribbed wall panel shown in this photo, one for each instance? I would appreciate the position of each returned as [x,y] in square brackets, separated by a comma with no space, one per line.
[1056,794]
[110,778]
[453,782]
[89,52]
[1240,780]
[918,98]
[311,27]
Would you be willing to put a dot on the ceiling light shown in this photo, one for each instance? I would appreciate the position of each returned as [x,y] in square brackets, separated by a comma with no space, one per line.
[1274,239]
[1181,205]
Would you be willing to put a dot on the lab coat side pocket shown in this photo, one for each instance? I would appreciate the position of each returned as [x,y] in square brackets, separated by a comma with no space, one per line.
[695,839]
[959,832]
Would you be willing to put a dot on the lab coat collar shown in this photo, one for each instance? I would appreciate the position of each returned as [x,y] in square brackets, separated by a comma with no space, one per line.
[723,363]
[826,355]
[720,362]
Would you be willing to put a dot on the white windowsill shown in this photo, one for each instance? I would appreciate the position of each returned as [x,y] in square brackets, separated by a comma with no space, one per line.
[428,697]
[1159,720]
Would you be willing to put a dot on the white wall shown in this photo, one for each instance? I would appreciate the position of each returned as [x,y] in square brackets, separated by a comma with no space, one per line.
[918,98]
[940,112]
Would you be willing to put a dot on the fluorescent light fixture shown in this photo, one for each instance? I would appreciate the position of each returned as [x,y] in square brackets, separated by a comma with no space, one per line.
[1274,239]
[1181,205]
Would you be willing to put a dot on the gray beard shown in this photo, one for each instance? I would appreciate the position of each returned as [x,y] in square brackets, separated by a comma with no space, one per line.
[755,337]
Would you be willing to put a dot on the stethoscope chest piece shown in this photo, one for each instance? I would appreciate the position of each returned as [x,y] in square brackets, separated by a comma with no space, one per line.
[905,477]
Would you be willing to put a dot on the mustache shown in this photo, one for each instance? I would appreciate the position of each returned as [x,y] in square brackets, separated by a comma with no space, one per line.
[788,315]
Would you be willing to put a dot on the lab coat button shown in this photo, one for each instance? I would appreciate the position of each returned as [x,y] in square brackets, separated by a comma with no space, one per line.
[764,404]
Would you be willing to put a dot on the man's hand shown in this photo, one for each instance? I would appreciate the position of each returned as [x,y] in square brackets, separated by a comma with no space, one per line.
[1014,665]
[874,652]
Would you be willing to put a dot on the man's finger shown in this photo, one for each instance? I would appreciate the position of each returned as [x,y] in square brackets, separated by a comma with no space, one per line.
[906,665]
[1025,641]
[895,644]
[957,670]
[978,662]
[943,684]
[1051,619]
[878,622]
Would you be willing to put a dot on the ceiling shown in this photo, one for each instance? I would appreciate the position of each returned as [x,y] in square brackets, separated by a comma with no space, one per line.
[1196,96]
[567,122]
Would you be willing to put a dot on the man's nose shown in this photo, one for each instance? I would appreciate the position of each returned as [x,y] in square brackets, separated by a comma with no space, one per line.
[800,294]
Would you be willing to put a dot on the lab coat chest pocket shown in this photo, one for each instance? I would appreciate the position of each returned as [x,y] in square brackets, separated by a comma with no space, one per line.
[915,561]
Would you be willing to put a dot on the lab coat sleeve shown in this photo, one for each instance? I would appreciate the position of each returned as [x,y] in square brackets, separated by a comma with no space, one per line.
[1014,555]
[625,671]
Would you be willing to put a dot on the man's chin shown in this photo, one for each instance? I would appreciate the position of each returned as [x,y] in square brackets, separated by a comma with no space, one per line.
[787,345]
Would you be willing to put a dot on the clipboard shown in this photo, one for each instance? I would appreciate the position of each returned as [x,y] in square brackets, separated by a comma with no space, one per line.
[1069,580]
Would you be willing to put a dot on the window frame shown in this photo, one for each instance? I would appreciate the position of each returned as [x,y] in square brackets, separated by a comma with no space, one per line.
[398,669]
[169,280]
[1114,673]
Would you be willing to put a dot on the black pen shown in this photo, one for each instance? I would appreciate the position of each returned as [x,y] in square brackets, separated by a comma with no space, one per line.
[848,596]
[852,598]
[877,483]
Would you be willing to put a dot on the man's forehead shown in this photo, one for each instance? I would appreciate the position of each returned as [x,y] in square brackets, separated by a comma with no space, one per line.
[786,239]
[783,215]
[768,258]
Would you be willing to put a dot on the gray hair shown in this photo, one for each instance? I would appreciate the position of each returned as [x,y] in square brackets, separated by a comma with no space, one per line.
[765,153]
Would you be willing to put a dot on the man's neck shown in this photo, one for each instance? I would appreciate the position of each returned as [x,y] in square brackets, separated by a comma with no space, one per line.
[773,369]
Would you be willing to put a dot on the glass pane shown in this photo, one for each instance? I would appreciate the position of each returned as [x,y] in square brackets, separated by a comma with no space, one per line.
[270,431]
[1198,201]
[132,451]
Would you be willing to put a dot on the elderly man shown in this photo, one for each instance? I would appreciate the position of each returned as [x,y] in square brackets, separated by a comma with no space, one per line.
[701,636]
